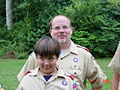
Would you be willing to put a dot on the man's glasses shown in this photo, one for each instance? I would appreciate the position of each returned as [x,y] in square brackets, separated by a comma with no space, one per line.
[57,28]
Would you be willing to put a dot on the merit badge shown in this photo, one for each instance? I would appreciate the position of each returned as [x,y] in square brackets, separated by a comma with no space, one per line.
[75,59]
[75,86]
[64,82]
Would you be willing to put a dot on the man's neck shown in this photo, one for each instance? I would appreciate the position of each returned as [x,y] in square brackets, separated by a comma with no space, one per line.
[65,46]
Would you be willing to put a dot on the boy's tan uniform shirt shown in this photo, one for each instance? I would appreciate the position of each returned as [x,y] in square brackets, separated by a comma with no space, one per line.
[35,81]
[75,61]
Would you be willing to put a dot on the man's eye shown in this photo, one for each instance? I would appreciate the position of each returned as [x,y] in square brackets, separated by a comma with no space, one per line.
[65,27]
[57,28]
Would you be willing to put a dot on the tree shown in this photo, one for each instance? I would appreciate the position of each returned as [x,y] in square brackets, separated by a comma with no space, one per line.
[9,14]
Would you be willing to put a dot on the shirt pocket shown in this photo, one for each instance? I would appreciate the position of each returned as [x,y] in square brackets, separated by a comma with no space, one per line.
[75,70]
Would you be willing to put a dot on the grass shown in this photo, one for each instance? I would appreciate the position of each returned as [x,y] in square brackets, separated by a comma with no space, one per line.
[103,64]
[10,68]
[8,72]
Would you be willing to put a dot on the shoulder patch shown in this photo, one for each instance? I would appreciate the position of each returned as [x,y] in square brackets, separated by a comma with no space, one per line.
[27,72]
[83,48]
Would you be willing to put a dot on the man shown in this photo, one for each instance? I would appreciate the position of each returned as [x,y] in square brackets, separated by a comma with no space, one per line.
[47,76]
[115,66]
[73,59]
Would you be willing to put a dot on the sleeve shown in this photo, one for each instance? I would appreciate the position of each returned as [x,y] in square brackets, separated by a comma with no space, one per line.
[25,83]
[115,62]
[100,71]
[74,85]
[93,73]
[30,64]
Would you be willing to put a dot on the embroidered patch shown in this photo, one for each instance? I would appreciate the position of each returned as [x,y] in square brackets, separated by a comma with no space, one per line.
[75,60]
[75,86]
[64,82]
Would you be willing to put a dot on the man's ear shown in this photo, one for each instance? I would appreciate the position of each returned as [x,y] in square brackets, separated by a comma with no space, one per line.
[50,31]
[72,30]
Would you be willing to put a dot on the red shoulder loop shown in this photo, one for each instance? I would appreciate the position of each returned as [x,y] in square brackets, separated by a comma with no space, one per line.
[72,77]
[87,49]
[83,48]
[27,72]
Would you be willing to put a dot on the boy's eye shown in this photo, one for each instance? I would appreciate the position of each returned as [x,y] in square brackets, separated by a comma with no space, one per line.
[50,58]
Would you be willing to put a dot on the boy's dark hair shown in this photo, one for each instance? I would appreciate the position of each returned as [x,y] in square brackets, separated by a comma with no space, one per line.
[47,47]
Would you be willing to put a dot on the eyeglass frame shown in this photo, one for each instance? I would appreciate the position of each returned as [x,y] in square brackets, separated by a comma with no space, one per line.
[64,27]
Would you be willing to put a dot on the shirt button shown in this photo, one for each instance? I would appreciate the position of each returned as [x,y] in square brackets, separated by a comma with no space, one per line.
[74,65]
[75,73]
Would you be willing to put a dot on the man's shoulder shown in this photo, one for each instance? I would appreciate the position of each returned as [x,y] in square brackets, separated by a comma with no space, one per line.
[82,47]
[84,50]
[32,56]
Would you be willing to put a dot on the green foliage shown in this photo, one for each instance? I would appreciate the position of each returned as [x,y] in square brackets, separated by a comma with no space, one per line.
[31,22]
[96,24]
[83,38]
[2,13]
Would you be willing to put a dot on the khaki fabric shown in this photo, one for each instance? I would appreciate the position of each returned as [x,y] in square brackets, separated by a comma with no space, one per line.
[76,61]
[35,81]
[115,62]
[119,85]
[30,64]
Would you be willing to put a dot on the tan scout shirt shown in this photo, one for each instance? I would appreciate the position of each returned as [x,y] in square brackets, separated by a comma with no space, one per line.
[76,61]
[115,62]
[35,81]
[30,64]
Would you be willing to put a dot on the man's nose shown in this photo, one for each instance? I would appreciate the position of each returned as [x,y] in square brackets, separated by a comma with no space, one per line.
[61,29]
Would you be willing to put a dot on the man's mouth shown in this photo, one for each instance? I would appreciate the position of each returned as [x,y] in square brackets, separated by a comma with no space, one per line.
[61,36]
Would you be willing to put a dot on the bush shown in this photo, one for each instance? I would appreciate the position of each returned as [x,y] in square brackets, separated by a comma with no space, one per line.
[96,25]
[31,22]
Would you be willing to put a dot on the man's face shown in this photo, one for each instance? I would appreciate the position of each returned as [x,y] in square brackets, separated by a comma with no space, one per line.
[61,29]
[47,64]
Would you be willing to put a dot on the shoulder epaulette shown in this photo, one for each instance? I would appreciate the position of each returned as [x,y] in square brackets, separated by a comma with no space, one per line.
[27,72]
[72,77]
[83,48]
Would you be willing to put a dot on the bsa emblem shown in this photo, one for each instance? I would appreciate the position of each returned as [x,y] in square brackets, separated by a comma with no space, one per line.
[64,83]
[75,60]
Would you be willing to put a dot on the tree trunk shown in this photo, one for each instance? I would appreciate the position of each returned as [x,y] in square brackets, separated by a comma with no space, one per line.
[9,14]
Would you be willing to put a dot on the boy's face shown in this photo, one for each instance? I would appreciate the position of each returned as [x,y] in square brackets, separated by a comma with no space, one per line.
[47,64]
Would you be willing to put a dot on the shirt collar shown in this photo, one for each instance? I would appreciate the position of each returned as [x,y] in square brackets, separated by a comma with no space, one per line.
[59,73]
[73,48]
